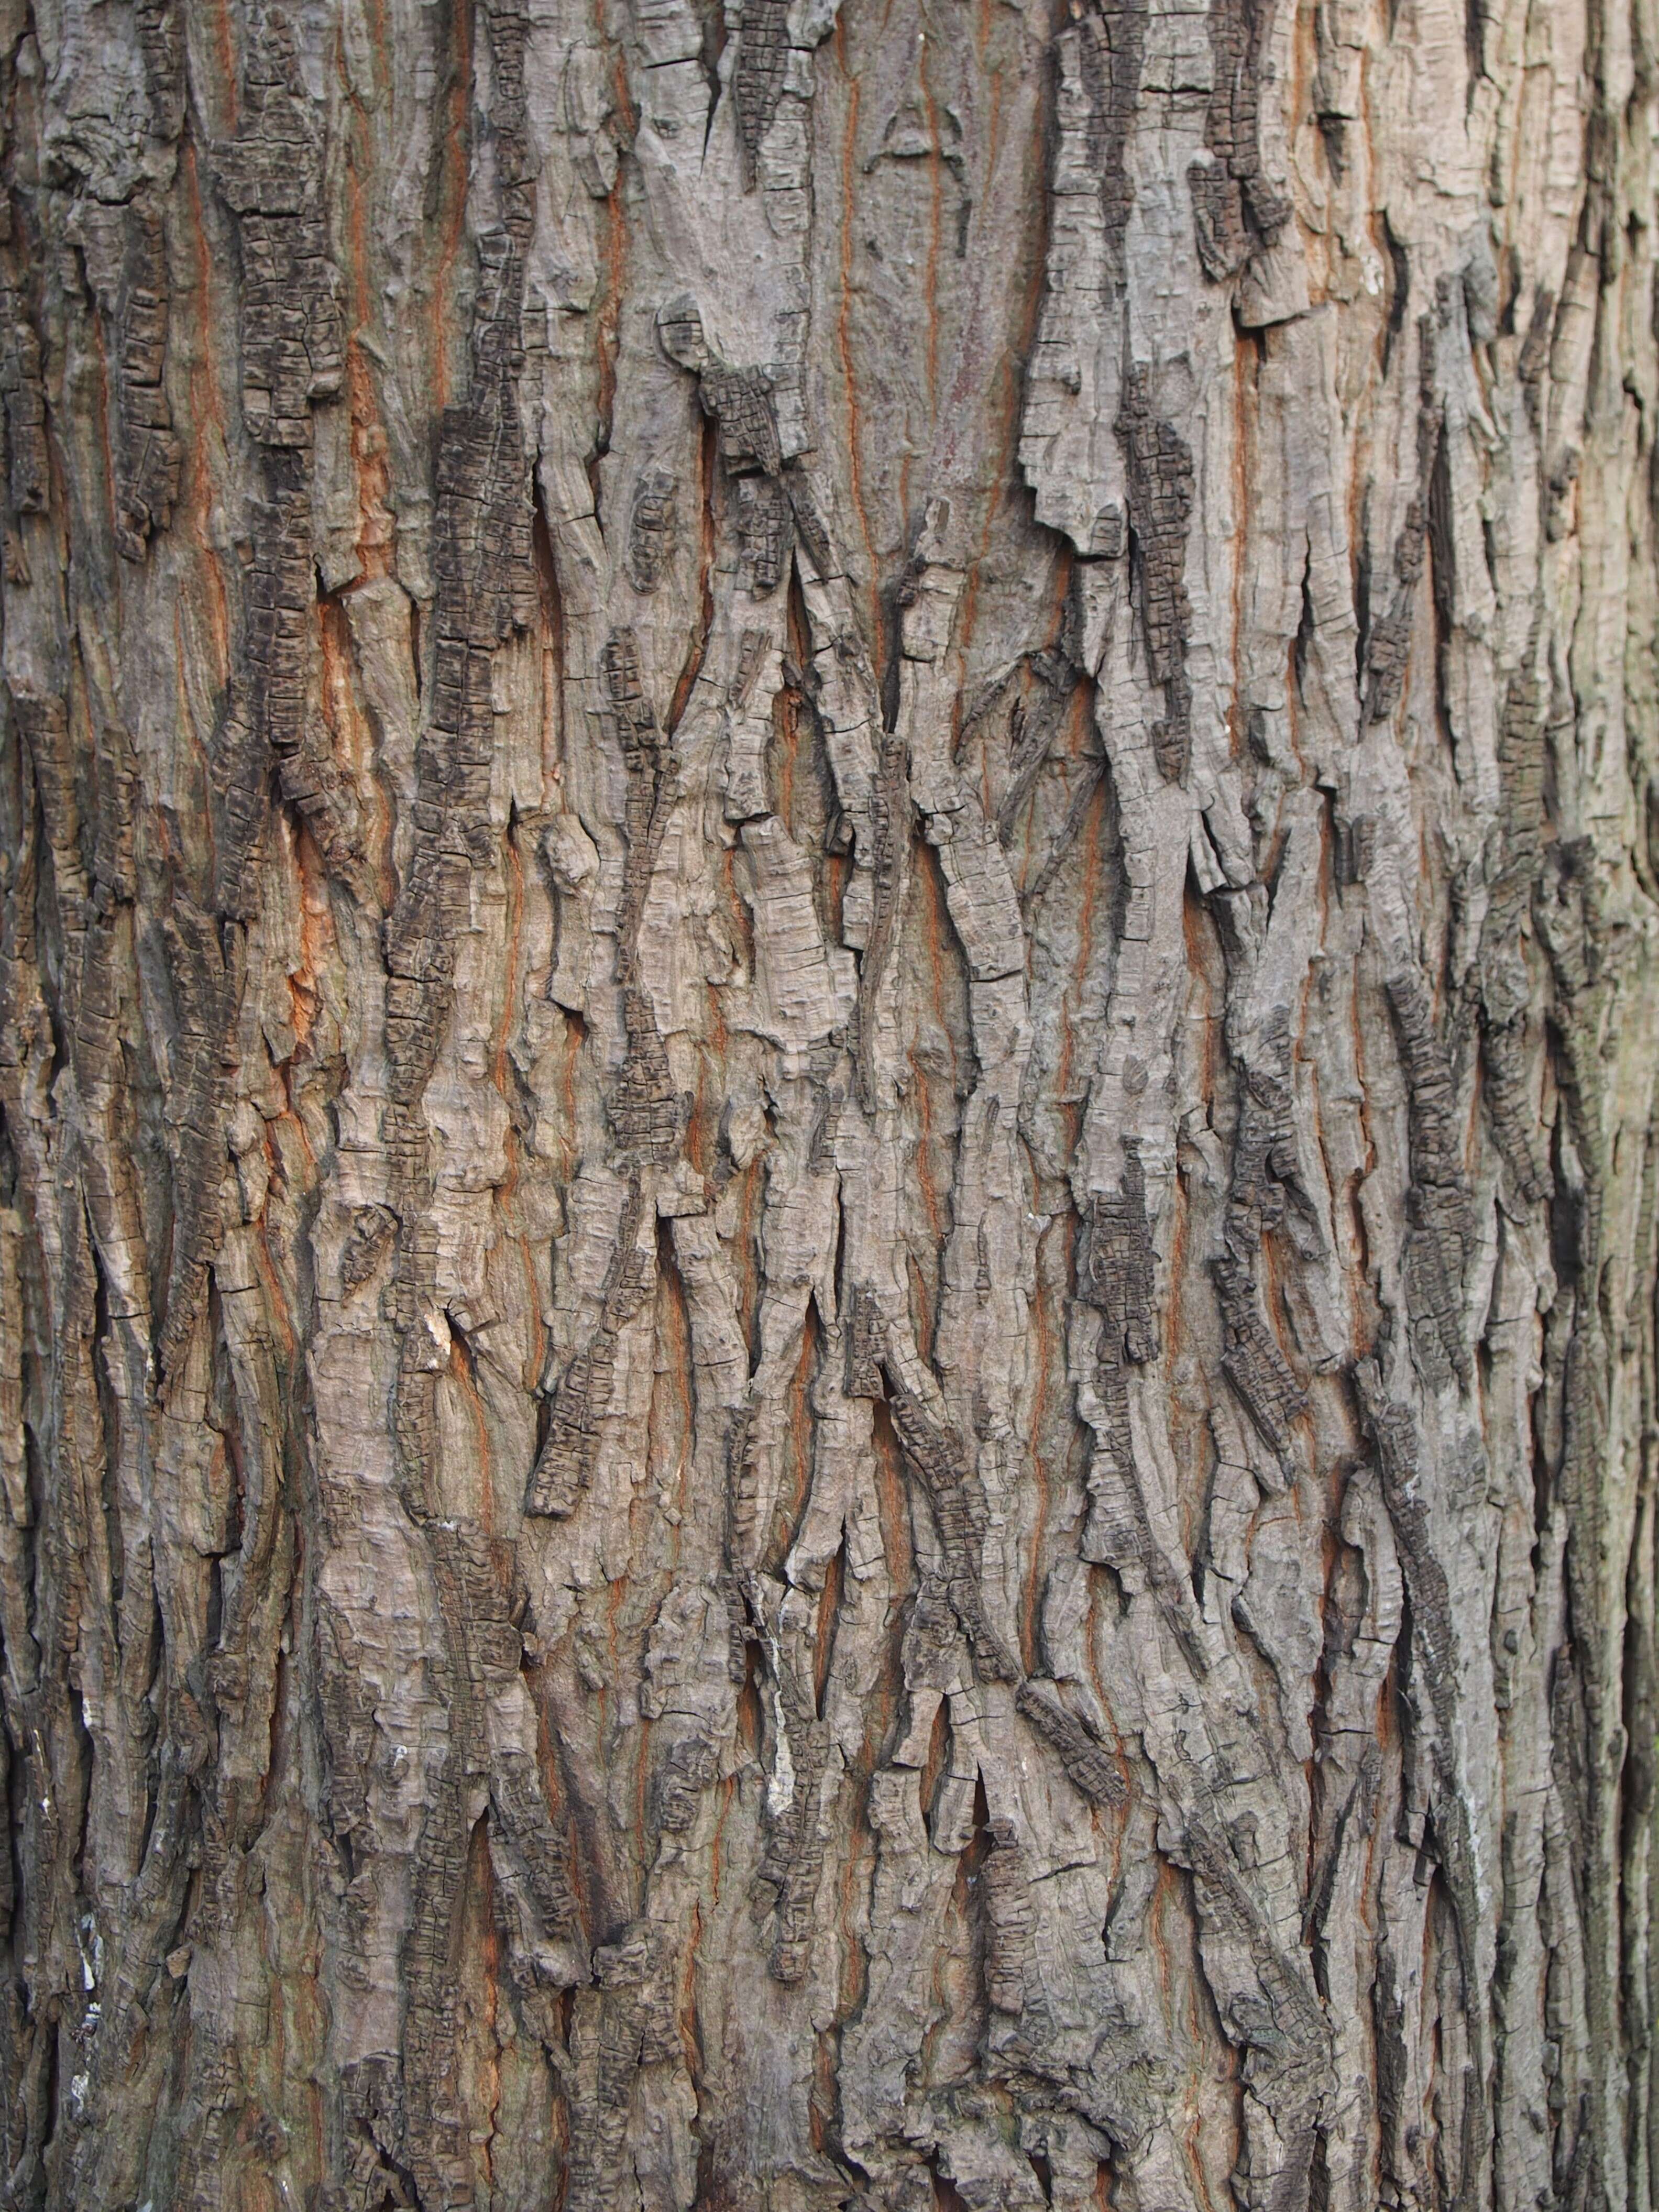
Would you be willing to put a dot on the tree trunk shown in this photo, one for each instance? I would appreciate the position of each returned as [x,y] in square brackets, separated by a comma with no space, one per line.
[829,1167]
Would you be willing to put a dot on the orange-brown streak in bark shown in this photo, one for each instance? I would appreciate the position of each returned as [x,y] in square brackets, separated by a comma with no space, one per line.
[461,1374]
[316,934]
[823,1627]
[974,370]
[786,744]
[821,2103]
[227,46]
[207,424]
[457,163]
[639,1832]
[1205,2031]
[686,2015]
[350,740]
[1164,1886]
[748,1709]
[550,602]
[277,1304]
[953,1956]
[736,912]
[852,1979]
[376,522]
[380,39]
[728,1790]
[938,1750]
[673,1392]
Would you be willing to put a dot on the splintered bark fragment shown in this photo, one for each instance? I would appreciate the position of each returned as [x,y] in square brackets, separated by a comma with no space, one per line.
[936,1458]
[763,518]
[27,466]
[372,1231]
[1441,1234]
[891,807]
[292,335]
[644,1106]
[1121,1267]
[1235,210]
[205,991]
[149,451]
[624,2024]
[1505,978]
[1090,1765]
[687,1771]
[1388,649]
[1008,1912]
[757,82]
[581,1401]
[1264,1174]
[1159,465]
[865,1346]
[650,528]
[1113,39]
[792,1864]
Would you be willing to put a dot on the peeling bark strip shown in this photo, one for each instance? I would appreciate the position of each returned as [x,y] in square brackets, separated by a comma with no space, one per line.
[828,1211]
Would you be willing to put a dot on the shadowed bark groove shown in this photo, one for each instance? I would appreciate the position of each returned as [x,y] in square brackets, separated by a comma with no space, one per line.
[827,1191]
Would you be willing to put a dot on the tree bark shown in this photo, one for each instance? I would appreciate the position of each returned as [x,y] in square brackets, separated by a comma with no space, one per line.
[827,1164]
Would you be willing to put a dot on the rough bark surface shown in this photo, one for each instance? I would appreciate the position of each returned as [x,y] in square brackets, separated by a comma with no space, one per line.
[828,879]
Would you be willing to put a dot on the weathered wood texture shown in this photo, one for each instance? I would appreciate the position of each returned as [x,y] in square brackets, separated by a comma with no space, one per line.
[828,1180]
